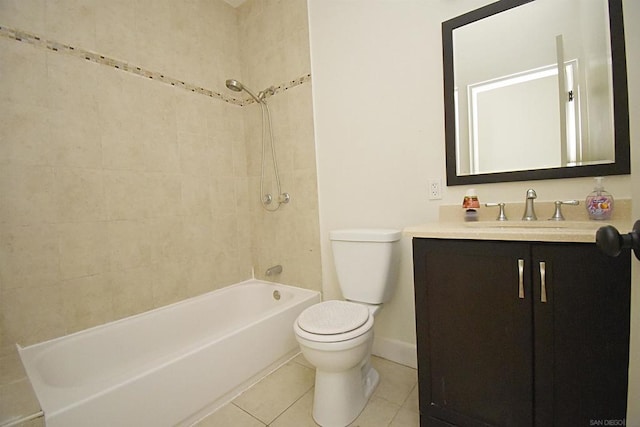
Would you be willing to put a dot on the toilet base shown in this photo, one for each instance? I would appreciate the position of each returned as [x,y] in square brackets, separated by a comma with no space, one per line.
[339,397]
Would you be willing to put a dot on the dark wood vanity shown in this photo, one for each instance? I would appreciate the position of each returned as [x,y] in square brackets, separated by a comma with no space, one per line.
[521,333]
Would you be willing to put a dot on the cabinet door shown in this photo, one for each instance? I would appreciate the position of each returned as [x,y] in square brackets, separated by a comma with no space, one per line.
[474,332]
[581,335]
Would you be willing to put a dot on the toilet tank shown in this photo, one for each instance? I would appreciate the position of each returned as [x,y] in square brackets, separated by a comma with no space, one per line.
[366,263]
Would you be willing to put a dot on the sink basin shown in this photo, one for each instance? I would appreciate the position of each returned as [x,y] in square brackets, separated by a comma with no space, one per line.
[542,224]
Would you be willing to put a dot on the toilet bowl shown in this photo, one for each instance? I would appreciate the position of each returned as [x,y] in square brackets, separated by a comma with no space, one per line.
[340,351]
[337,336]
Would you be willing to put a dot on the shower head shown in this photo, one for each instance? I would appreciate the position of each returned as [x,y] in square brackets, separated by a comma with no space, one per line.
[236,86]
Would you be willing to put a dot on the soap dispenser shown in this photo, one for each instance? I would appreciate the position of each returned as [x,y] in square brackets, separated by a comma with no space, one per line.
[599,202]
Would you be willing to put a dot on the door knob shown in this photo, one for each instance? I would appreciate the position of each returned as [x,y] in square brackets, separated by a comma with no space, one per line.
[611,242]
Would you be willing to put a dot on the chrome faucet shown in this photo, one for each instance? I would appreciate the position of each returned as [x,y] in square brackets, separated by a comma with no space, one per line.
[529,212]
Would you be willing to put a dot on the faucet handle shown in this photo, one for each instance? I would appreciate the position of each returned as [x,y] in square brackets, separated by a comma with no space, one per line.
[557,215]
[501,215]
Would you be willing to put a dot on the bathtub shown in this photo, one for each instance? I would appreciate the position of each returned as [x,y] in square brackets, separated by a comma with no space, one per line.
[169,366]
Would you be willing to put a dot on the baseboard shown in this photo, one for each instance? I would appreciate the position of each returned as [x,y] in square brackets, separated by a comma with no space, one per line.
[396,351]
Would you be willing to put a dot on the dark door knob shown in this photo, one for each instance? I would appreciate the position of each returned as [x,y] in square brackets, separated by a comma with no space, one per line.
[611,242]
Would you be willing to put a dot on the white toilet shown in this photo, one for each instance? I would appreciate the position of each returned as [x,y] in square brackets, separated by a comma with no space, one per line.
[336,336]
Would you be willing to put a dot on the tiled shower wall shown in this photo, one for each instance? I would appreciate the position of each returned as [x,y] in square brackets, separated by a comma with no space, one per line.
[274,43]
[122,191]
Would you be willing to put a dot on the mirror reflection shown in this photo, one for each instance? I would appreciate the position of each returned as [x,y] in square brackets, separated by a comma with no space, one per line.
[531,88]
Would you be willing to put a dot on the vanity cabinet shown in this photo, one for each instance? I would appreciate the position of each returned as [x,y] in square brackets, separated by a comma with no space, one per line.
[520,333]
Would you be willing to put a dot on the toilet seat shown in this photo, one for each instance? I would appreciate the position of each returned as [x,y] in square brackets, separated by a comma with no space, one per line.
[333,321]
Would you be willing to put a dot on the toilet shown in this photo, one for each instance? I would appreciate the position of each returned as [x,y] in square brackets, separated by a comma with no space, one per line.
[336,336]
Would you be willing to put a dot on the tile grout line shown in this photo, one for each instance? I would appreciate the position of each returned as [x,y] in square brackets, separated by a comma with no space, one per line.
[249,413]
[32,39]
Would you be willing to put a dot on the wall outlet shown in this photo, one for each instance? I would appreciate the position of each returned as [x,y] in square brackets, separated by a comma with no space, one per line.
[435,188]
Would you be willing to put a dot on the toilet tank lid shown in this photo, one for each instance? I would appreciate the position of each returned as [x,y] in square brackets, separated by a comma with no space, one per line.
[366,235]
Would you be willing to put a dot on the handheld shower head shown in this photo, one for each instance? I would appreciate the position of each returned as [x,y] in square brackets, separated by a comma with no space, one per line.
[236,86]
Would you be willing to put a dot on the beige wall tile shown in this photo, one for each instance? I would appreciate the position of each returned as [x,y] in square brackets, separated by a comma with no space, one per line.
[73,137]
[86,302]
[26,194]
[168,282]
[33,314]
[198,232]
[196,199]
[191,112]
[224,233]
[121,147]
[84,249]
[166,238]
[24,73]
[129,244]
[115,29]
[79,194]
[224,195]
[222,157]
[71,81]
[24,14]
[24,133]
[162,154]
[200,273]
[17,399]
[123,195]
[29,256]
[227,268]
[131,291]
[196,155]
[162,194]
[72,22]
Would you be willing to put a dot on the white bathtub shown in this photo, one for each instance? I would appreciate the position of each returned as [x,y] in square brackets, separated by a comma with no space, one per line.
[169,366]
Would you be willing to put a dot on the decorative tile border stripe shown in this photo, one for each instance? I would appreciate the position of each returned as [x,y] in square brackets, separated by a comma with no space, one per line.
[291,84]
[23,36]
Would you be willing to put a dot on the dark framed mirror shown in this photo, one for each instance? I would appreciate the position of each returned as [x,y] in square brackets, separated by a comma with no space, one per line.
[536,89]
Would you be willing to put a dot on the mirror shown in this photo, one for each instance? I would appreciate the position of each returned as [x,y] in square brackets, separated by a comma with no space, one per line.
[535,89]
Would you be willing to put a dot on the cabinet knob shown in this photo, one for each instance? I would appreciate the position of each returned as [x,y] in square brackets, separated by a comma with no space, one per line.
[612,243]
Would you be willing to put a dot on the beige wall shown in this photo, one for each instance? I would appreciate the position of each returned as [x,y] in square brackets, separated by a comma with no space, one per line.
[120,192]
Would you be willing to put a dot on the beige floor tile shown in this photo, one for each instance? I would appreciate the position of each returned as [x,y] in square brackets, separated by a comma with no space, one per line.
[285,399]
[406,418]
[229,415]
[378,413]
[303,361]
[412,402]
[300,414]
[396,381]
[274,394]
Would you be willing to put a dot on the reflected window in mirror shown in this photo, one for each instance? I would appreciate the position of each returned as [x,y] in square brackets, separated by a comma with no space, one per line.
[535,89]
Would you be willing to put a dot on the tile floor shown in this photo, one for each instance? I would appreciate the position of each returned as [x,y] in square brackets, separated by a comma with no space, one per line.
[285,398]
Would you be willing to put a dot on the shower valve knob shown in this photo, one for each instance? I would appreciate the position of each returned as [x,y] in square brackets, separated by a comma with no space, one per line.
[285,198]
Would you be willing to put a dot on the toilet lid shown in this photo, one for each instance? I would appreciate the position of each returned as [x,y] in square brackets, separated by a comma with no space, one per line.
[333,317]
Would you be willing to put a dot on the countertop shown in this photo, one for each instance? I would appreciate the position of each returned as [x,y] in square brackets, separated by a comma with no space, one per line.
[486,230]
[574,230]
